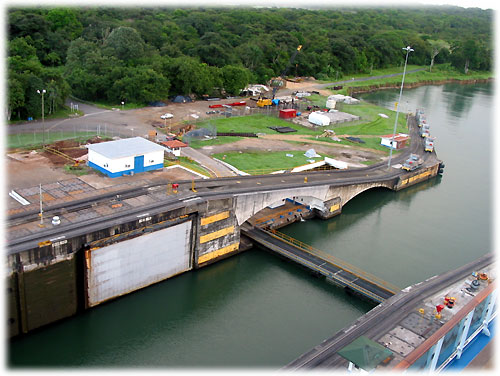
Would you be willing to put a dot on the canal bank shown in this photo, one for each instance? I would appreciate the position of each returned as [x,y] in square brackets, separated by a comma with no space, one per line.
[262,298]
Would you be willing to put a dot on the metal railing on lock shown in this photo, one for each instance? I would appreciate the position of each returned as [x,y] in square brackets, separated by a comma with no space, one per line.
[274,214]
[59,153]
[335,261]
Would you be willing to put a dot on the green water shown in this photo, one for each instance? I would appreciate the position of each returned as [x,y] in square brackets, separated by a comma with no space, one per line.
[255,310]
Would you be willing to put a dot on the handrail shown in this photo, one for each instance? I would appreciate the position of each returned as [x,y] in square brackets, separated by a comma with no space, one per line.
[59,153]
[352,285]
[334,261]
[274,214]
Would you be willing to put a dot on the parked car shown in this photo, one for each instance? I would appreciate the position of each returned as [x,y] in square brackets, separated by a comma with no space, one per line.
[167,116]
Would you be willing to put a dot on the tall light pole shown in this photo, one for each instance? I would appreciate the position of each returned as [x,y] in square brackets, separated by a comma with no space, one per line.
[42,92]
[408,50]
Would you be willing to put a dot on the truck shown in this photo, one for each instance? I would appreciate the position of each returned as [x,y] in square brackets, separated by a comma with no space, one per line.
[412,163]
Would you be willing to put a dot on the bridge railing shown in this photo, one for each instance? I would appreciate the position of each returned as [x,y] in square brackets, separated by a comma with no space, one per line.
[335,261]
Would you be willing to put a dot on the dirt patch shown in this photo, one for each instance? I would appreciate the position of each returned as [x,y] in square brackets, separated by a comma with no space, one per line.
[65,152]
[268,144]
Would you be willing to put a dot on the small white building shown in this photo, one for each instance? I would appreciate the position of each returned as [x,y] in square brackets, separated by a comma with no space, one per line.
[125,157]
[174,147]
[319,118]
[400,140]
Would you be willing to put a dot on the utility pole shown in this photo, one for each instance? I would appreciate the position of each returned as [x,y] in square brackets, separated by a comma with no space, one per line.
[408,50]
[41,208]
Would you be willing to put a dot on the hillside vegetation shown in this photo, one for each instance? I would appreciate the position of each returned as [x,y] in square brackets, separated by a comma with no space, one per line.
[138,55]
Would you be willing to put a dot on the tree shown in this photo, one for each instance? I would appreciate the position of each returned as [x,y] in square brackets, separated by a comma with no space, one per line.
[235,78]
[139,85]
[16,96]
[385,49]
[22,47]
[189,76]
[124,43]
[65,20]
[465,55]
[436,47]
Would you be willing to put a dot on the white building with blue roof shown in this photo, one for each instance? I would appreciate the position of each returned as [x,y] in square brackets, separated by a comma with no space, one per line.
[125,157]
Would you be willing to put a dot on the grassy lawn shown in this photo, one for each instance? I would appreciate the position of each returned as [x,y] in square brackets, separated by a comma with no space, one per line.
[439,73]
[254,124]
[59,114]
[22,140]
[79,171]
[374,72]
[256,163]
[109,106]
[370,143]
[371,123]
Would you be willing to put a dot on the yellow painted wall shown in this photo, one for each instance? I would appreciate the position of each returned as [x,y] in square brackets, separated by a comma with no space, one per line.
[416,177]
[216,234]
[334,207]
[214,218]
[218,253]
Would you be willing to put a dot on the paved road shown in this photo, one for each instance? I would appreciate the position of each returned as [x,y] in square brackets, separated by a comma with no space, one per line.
[114,123]
[216,168]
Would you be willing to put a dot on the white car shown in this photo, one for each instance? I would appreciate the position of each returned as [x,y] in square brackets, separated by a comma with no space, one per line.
[167,116]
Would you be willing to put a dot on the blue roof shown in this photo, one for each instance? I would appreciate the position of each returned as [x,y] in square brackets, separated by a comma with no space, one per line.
[127,147]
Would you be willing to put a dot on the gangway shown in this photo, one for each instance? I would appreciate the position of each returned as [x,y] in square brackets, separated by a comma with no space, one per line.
[337,271]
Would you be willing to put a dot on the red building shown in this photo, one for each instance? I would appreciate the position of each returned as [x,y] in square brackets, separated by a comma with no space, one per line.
[288,113]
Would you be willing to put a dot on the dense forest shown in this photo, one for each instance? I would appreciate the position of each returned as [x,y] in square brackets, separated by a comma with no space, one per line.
[140,55]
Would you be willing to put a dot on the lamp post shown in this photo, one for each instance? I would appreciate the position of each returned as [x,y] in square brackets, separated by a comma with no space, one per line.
[42,92]
[408,50]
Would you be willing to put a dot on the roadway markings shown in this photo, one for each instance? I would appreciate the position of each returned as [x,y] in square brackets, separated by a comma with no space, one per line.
[191,198]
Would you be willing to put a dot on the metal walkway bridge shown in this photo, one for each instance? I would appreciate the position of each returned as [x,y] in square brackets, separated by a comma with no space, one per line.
[339,272]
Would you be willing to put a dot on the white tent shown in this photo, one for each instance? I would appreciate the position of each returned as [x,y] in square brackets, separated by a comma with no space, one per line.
[318,118]
[330,103]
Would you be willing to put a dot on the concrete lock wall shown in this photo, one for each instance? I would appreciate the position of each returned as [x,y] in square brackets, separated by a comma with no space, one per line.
[248,205]
[331,208]
[49,282]
[218,233]
[43,290]
[417,176]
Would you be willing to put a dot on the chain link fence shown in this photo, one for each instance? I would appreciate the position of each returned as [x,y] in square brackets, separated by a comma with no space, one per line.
[37,138]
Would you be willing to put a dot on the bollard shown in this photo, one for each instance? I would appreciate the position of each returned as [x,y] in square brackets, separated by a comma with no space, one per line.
[305,179]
